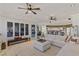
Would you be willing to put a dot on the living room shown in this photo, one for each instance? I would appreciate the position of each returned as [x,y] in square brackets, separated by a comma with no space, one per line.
[39,29]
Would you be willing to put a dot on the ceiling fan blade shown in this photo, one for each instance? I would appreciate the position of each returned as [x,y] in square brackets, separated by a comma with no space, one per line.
[35,8]
[27,4]
[21,8]
[30,6]
[33,12]
[26,12]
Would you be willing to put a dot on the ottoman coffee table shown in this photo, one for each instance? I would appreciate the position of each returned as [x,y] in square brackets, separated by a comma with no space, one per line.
[41,44]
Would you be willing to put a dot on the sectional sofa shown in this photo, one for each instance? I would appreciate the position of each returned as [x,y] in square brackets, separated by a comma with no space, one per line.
[56,40]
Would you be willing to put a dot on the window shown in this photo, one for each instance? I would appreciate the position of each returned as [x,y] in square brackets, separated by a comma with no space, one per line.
[21,29]
[26,29]
[33,31]
[9,29]
[16,29]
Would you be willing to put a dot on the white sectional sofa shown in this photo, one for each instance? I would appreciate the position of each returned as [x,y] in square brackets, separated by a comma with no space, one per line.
[56,40]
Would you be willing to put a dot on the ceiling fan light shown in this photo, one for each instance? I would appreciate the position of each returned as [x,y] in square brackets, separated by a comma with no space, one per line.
[69,18]
[29,12]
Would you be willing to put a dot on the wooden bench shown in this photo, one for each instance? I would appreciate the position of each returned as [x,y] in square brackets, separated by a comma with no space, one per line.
[17,40]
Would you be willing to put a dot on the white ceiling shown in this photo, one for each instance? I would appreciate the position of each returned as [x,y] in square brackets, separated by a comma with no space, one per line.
[61,10]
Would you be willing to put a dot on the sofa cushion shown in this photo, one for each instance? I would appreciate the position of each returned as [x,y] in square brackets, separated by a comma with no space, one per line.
[50,37]
[55,37]
[62,38]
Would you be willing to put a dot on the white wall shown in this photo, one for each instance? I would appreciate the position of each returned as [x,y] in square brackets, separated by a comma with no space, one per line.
[75,19]
[75,22]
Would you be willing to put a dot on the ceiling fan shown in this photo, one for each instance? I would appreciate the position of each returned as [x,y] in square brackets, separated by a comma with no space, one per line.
[53,18]
[29,8]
